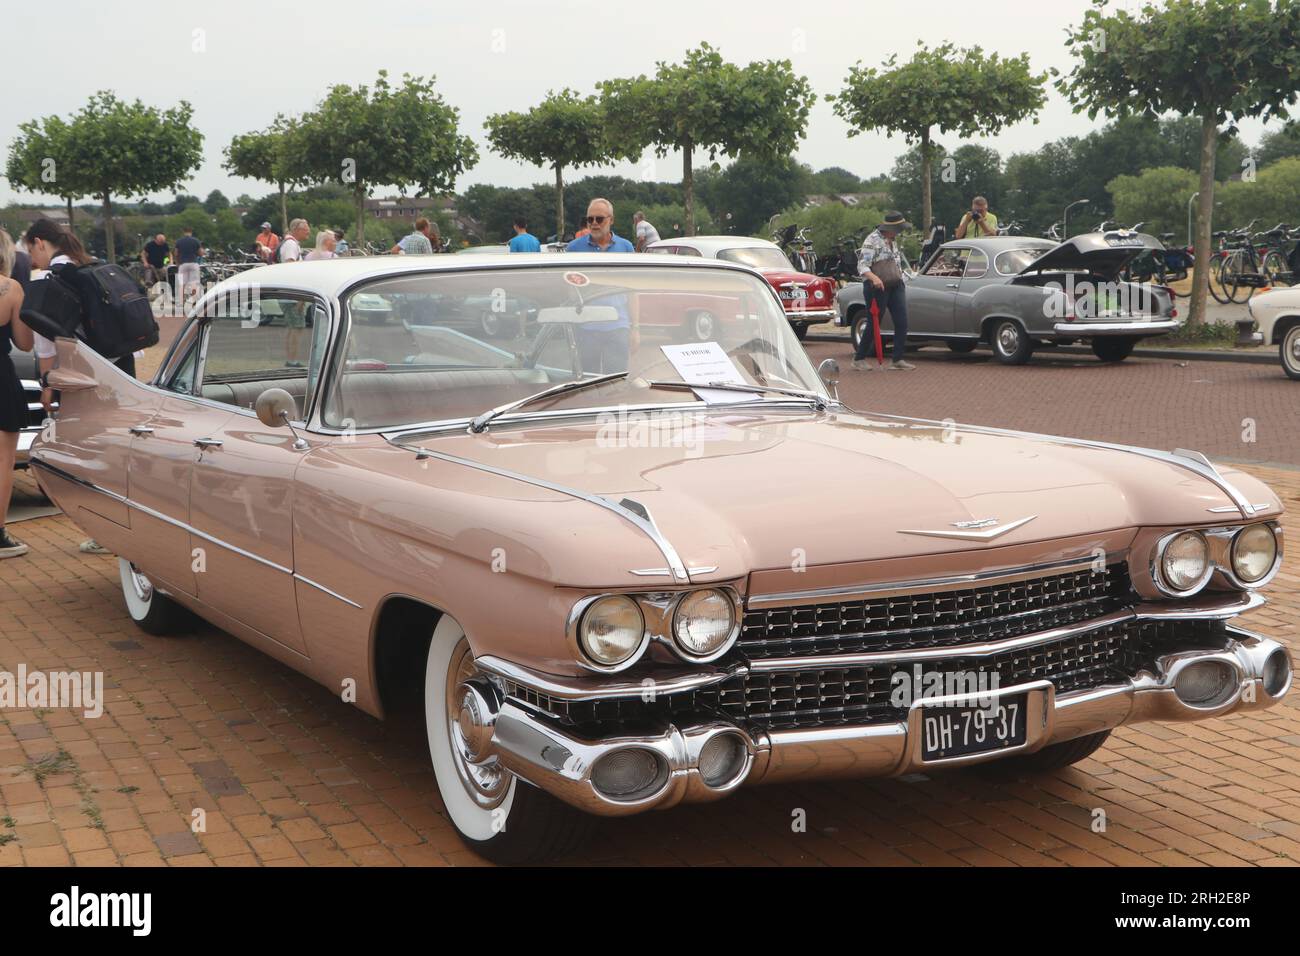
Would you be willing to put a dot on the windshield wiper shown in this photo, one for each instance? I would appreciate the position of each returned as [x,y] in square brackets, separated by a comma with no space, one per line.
[480,423]
[813,397]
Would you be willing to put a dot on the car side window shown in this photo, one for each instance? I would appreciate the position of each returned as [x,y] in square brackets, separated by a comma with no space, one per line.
[664,250]
[272,341]
[977,264]
[949,263]
[687,251]
[182,377]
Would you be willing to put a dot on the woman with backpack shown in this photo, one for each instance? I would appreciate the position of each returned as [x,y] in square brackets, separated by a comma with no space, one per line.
[13,402]
[100,296]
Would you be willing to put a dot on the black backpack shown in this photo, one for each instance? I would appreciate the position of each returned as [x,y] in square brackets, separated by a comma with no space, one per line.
[111,309]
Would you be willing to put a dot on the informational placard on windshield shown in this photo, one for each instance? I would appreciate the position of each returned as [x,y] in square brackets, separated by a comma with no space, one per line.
[707,363]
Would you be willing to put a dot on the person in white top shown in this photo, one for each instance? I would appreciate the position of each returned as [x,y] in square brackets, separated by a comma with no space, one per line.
[646,233]
[290,249]
[326,242]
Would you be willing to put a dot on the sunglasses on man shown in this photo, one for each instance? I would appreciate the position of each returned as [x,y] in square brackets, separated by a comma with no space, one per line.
[595,220]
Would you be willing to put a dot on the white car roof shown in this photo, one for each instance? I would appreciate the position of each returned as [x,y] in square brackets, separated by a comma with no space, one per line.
[712,245]
[329,278]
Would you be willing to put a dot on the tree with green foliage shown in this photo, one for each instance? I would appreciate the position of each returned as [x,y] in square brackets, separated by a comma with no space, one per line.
[705,103]
[1218,60]
[129,149]
[1156,196]
[403,135]
[751,191]
[969,171]
[564,130]
[43,159]
[273,155]
[965,92]
[1278,144]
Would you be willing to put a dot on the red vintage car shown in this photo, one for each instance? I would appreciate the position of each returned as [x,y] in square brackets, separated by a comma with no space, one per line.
[808,299]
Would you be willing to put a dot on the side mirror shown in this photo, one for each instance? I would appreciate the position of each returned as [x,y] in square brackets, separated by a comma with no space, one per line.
[829,372]
[275,407]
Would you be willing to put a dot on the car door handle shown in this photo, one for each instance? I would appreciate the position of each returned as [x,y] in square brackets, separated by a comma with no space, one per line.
[207,442]
[141,430]
[951,285]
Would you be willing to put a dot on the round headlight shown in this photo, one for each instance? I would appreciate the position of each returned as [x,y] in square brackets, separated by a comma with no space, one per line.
[703,622]
[612,630]
[1254,550]
[1185,560]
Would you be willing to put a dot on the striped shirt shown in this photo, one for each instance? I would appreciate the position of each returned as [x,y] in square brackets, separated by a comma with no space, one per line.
[875,247]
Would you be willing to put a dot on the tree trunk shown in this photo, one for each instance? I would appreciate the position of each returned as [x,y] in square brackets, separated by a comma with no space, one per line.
[1204,212]
[110,243]
[925,183]
[688,187]
[559,203]
[71,223]
[361,215]
[284,211]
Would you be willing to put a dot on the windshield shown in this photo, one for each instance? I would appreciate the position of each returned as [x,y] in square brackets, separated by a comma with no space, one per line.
[451,345]
[757,257]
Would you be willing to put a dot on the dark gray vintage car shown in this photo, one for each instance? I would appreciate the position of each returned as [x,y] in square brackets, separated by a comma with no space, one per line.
[1016,293]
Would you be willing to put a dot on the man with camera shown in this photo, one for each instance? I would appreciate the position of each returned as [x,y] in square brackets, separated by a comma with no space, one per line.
[978,222]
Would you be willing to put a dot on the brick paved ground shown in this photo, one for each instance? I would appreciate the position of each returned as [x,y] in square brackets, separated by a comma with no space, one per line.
[286,774]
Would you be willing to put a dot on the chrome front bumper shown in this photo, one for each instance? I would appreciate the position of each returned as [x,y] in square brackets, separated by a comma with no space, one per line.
[539,751]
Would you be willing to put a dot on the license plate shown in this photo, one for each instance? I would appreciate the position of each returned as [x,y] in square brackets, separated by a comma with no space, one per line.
[957,730]
[795,294]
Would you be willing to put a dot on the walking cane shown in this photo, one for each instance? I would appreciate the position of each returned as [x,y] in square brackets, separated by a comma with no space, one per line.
[875,325]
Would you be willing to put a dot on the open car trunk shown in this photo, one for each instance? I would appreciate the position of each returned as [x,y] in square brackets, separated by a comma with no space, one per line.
[1102,255]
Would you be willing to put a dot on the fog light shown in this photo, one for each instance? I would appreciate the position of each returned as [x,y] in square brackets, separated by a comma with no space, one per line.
[722,759]
[1277,673]
[629,773]
[1205,683]
[1254,550]
[1185,561]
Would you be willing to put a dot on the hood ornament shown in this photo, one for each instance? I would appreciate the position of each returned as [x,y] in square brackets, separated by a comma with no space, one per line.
[980,529]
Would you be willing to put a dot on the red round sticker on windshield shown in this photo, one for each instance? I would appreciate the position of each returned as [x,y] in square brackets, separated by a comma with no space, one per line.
[576,278]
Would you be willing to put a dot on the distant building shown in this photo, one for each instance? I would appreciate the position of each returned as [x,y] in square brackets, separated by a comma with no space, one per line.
[21,218]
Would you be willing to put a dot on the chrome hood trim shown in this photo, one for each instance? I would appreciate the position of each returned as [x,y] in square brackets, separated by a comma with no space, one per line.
[630,511]
[1192,461]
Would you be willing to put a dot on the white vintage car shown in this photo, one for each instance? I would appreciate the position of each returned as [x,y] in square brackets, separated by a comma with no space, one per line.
[1277,314]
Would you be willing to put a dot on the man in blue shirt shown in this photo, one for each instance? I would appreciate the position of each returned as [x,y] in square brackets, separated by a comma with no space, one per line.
[524,241]
[605,346]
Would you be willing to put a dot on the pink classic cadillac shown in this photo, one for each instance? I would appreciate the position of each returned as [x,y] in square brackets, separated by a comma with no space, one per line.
[587,548]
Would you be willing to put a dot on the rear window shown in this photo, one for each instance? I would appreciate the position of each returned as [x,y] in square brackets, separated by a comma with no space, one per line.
[1014,260]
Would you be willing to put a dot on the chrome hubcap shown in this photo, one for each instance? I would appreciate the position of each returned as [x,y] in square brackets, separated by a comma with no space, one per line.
[1008,338]
[469,734]
[141,585]
[1292,345]
[704,326]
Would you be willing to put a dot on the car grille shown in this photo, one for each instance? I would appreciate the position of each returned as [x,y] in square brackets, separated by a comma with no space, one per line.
[989,612]
[832,696]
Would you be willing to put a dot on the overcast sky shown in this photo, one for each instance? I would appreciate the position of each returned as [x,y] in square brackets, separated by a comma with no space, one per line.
[254,59]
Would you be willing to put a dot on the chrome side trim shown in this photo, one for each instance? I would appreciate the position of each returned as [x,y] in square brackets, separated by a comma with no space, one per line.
[948,583]
[1192,461]
[320,587]
[168,519]
[630,515]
